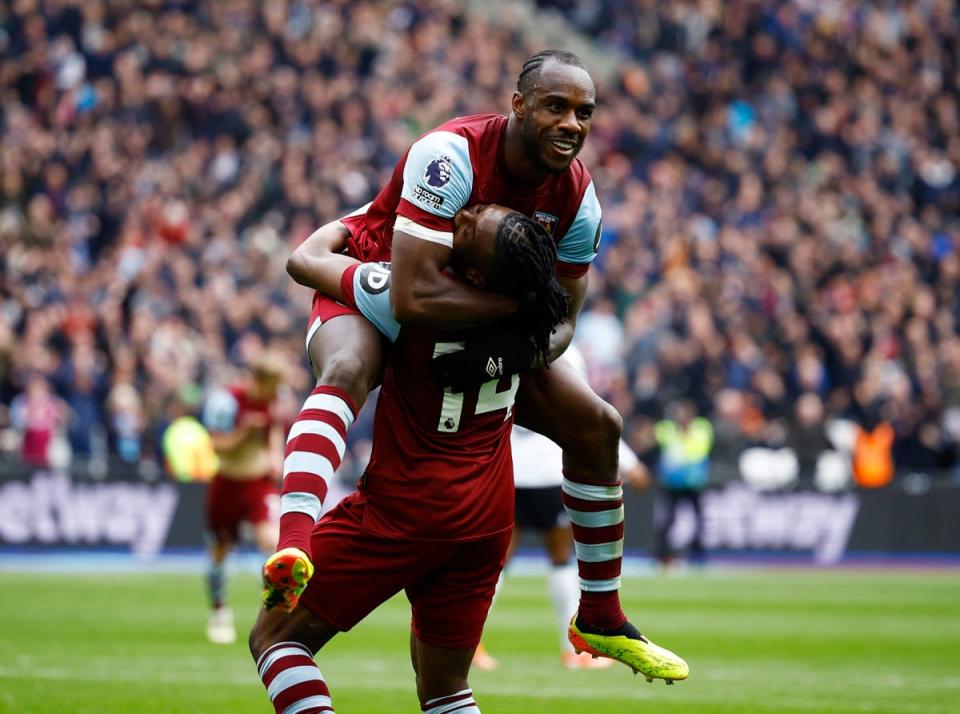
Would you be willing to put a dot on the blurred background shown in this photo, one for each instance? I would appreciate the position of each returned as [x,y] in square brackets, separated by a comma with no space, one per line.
[775,312]
[780,252]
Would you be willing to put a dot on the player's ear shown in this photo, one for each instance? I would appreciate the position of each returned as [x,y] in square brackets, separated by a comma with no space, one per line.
[517,104]
[474,277]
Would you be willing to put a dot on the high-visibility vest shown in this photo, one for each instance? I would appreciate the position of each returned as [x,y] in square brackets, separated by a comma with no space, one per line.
[684,454]
[873,456]
[188,450]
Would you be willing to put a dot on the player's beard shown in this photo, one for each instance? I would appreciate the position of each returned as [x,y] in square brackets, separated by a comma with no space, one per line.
[533,148]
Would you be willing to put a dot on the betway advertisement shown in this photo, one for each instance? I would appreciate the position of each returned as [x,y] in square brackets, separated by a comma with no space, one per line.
[59,510]
[41,509]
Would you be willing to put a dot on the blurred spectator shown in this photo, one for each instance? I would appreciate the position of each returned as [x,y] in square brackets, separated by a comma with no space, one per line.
[807,435]
[779,181]
[39,415]
[873,455]
[683,471]
[126,422]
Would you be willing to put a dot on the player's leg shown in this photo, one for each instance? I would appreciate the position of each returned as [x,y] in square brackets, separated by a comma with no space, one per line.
[265,536]
[559,404]
[264,515]
[360,571]
[442,678]
[665,513]
[223,513]
[564,590]
[347,356]
[482,659]
[697,553]
[220,627]
[283,645]
[449,605]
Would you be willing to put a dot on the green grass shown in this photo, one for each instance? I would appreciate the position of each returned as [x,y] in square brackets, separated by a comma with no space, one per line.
[769,641]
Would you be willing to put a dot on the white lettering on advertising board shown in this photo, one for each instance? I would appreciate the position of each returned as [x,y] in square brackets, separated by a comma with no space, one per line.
[51,509]
[737,517]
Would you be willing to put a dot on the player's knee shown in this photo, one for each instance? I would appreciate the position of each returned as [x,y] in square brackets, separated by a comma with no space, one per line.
[601,428]
[349,372]
[255,641]
[613,424]
[268,629]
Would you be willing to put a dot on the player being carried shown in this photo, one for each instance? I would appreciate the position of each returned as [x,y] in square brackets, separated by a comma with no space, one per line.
[527,162]
[434,510]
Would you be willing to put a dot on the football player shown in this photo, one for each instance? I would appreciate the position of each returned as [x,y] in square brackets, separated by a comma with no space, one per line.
[434,510]
[526,161]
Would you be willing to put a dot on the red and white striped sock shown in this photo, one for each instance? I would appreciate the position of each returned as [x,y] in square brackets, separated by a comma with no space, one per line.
[461,702]
[315,447]
[293,680]
[596,514]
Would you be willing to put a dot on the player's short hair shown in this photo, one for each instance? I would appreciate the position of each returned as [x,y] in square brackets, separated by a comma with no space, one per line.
[524,265]
[530,73]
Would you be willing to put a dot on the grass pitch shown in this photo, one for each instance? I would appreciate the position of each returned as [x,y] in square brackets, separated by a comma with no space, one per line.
[759,641]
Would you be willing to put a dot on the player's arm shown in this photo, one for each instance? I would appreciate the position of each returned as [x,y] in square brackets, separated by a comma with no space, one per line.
[318,262]
[276,441]
[575,252]
[563,333]
[437,182]
[423,294]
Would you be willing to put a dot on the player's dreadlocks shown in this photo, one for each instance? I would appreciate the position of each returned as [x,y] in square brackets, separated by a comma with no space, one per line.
[524,265]
[530,73]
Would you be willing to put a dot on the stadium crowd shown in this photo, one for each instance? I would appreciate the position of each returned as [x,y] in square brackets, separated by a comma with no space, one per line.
[780,186]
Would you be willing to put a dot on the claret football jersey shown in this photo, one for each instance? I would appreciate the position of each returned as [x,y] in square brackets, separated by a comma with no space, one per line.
[441,466]
[461,163]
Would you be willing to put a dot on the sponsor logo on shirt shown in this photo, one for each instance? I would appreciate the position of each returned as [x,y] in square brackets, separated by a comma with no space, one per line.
[495,369]
[427,197]
[547,220]
[374,277]
[438,172]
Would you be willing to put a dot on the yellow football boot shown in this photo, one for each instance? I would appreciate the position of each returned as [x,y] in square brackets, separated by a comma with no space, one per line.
[627,645]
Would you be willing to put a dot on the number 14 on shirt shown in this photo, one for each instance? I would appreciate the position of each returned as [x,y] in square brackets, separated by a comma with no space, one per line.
[489,399]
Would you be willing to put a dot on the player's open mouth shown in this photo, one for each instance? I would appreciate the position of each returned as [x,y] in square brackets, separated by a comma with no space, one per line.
[564,146]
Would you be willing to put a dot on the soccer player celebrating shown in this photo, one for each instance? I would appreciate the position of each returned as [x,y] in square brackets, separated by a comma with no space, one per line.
[527,162]
[248,441]
[434,510]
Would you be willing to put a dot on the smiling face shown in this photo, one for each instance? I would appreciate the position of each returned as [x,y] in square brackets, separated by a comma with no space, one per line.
[554,116]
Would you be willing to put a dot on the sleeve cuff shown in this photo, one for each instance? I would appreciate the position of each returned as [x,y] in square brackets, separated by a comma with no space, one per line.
[406,225]
[571,270]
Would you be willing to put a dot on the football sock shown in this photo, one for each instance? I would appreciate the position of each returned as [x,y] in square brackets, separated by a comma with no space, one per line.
[217,585]
[564,593]
[596,514]
[293,680]
[314,451]
[462,703]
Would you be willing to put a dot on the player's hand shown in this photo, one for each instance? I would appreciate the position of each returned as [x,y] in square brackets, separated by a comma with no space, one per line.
[486,356]
[285,577]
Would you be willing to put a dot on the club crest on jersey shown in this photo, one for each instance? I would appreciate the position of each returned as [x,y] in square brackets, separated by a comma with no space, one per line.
[438,172]
[547,220]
